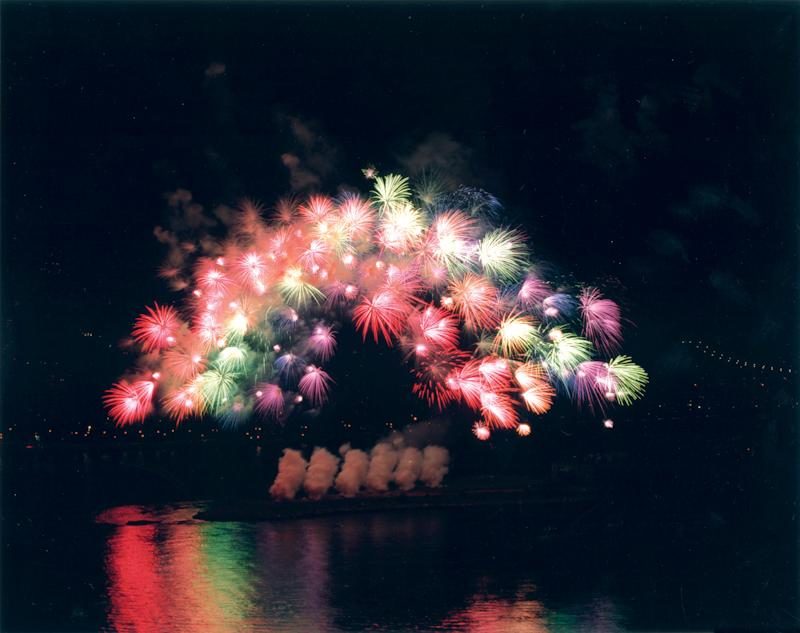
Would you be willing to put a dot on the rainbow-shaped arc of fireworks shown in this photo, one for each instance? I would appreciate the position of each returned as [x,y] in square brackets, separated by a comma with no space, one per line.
[413,266]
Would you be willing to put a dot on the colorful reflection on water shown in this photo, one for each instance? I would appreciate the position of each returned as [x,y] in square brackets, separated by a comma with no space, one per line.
[168,572]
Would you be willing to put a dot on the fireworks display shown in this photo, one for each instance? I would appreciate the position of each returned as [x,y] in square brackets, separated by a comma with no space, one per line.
[415,267]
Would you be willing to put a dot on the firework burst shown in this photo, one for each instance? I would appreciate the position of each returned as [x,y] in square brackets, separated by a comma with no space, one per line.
[601,320]
[411,264]
[157,328]
[382,314]
[130,402]
[503,254]
[629,380]
[391,191]
[475,299]
[315,385]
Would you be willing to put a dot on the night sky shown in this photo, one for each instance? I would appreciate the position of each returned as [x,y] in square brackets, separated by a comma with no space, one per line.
[652,149]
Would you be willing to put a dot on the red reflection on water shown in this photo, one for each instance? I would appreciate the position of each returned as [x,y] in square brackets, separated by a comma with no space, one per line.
[156,577]
[490,614]
[522,614]
[136,592]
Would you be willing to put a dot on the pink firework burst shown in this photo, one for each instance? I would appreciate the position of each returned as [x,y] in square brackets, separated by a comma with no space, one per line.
[128,402]
[450,241]
[432,373]
[315,256]
[481,431]
[182,403]
[186,360]
[269,400]
[475,299]
[316,208]
[382,314]
[467,383]
[322,341]
[533,292]
[591,385]
[315,385]
[211,276]
[250,213]
[285,210]
[601,320]
[498,410]
[157,328]
[496,373]
[357,217]
[436,327]
[339,293]
[404,283]
[208,329]
[251,268]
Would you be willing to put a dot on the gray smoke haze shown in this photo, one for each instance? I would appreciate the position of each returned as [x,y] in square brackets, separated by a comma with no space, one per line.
[409,466]
[320,473]
[189,232]
[312,157]
[425,433]
[291,472]
[354,471]
[215,69]
[441,154]
[435,465]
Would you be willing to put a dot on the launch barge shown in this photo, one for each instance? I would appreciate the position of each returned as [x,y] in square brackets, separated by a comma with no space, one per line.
[548,502]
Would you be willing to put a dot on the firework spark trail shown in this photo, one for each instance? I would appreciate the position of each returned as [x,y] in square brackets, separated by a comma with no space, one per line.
[425,270]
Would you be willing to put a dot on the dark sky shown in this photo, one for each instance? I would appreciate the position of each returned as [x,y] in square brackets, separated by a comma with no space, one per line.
[652,148]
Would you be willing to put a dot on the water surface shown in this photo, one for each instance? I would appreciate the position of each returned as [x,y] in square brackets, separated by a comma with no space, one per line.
[424,571]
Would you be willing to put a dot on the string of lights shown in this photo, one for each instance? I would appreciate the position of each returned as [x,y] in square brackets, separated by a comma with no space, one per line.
[740,363]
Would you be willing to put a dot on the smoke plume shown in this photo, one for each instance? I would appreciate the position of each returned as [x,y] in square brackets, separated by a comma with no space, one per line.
[321,471]
[291,472]
[354,471]
[409,466]
[389,462]
[383,459]
[435,464]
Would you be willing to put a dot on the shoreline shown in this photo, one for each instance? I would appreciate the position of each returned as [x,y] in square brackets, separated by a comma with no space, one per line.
[253,510]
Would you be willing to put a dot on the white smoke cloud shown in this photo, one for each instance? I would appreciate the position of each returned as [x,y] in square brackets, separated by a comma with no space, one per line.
[389,462]
[409,466]
[435,465]
[383,459]
[291,472]
[354,471]
[321,470]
